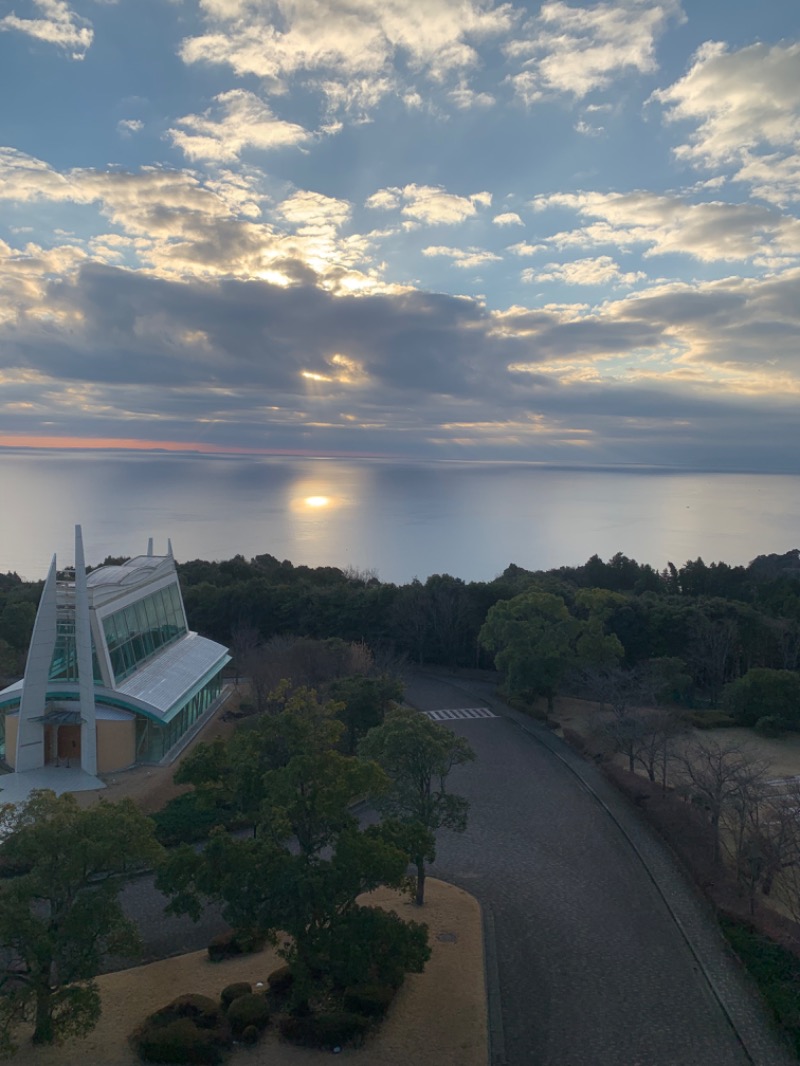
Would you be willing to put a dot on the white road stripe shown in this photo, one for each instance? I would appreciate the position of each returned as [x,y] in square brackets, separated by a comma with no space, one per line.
[452,713]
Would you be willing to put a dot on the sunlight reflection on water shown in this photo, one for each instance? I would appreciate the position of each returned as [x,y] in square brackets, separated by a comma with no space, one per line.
[399,519]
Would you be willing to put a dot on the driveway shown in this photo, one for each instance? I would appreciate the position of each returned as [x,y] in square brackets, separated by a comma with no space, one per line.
[591,966]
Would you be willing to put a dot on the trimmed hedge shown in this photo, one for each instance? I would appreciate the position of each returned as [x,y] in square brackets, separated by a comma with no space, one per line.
[280,981]
[190,1029]
[246,1011]
[234,991]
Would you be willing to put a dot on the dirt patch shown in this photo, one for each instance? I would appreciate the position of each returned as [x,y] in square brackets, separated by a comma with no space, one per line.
[439,1016]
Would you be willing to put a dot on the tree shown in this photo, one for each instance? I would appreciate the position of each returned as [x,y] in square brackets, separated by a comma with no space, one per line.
[531,637]
[365,702]
[61,916]
[764,693]
[417,755]
[723,779]
[308,861]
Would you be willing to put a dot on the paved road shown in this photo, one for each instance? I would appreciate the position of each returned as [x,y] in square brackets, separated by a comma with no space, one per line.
[592,968]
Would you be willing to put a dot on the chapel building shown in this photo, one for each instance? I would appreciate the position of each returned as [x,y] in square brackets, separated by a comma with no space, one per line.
[114,676]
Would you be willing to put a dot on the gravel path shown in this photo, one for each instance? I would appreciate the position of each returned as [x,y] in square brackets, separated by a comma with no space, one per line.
[592,966]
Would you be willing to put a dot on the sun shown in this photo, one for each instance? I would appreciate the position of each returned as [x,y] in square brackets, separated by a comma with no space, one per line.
[317,501]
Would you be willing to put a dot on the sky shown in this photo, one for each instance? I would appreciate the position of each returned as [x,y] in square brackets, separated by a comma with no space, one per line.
[430,229]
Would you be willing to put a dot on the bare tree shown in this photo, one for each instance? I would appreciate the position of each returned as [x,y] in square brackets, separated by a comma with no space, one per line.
[712,646]
[726,781]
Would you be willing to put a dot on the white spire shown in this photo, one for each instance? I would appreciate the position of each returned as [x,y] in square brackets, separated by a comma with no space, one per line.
[83,649]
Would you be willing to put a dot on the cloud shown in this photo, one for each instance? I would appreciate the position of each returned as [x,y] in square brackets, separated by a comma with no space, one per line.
[745,106]
[244,122]
[466,258]
[327,43]
[311,211]
[710,232]
[508,218]
[429,204]
[577,50]
[127,126]
[59,25]
[466,99]
[666,375]
[601,270]
[523,248]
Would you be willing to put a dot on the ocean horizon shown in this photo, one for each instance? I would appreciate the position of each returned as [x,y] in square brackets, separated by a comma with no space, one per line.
[396,518]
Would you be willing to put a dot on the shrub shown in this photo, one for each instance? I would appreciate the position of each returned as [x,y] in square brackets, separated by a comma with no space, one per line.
[370,1000]
[246,1011]
[710,719]
[250,1035]
[190,1029]
[324,1030]
[230,944]
[177,1042]
[202,1010]
[280,981]
[232,992]
[770,726]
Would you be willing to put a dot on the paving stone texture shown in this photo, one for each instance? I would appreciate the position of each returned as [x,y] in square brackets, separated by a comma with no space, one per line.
[603,953]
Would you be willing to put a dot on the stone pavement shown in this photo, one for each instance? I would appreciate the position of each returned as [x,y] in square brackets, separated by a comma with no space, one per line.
[604,953]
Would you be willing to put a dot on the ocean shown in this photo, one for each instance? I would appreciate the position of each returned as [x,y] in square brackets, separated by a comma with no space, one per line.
[396,519]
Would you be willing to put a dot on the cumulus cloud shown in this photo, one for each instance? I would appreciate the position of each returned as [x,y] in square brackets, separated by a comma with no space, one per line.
[508,218]
[429,204]
[576,50]
[745,106]
[466,258]
[602,270]
[58,25]
[339,44]
[710,232]
[243,121]
[127,126]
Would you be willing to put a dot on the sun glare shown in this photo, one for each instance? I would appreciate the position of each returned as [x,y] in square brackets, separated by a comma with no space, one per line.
[317,501]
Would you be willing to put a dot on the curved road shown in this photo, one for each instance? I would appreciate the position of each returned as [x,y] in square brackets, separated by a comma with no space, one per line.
[591,967]
[586,963]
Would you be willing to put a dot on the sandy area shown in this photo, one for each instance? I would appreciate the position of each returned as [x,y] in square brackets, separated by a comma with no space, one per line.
[439,1016]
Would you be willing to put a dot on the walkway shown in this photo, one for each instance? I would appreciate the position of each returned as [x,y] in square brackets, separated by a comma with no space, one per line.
[589,962]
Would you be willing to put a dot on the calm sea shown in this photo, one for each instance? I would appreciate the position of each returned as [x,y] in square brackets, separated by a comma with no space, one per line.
[399,519]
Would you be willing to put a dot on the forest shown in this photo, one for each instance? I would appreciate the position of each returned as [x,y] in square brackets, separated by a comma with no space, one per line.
[704,625]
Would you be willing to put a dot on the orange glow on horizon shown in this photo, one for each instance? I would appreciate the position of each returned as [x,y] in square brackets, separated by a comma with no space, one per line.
[130,444]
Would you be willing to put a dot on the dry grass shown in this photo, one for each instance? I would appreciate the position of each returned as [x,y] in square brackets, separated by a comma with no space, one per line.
[438,1016]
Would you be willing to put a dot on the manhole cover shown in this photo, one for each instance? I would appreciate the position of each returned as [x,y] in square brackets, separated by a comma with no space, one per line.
[448,938]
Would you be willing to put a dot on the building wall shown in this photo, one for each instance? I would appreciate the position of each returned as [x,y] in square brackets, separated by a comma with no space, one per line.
[12,723]
[116,745]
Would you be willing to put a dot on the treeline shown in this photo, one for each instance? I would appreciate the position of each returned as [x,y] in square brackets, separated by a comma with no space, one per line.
[720,620]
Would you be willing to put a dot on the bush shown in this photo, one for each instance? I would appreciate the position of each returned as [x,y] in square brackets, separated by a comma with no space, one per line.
[250,1035]
[710,720]
[775,969]
[324,1030]
[232,992]
[370,1000]
[178,1042]
[280,981]
[229,945]
[246,1011]
[190,1029]
[770,726]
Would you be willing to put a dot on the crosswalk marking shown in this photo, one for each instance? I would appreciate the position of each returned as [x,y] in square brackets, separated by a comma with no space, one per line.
[451,713]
